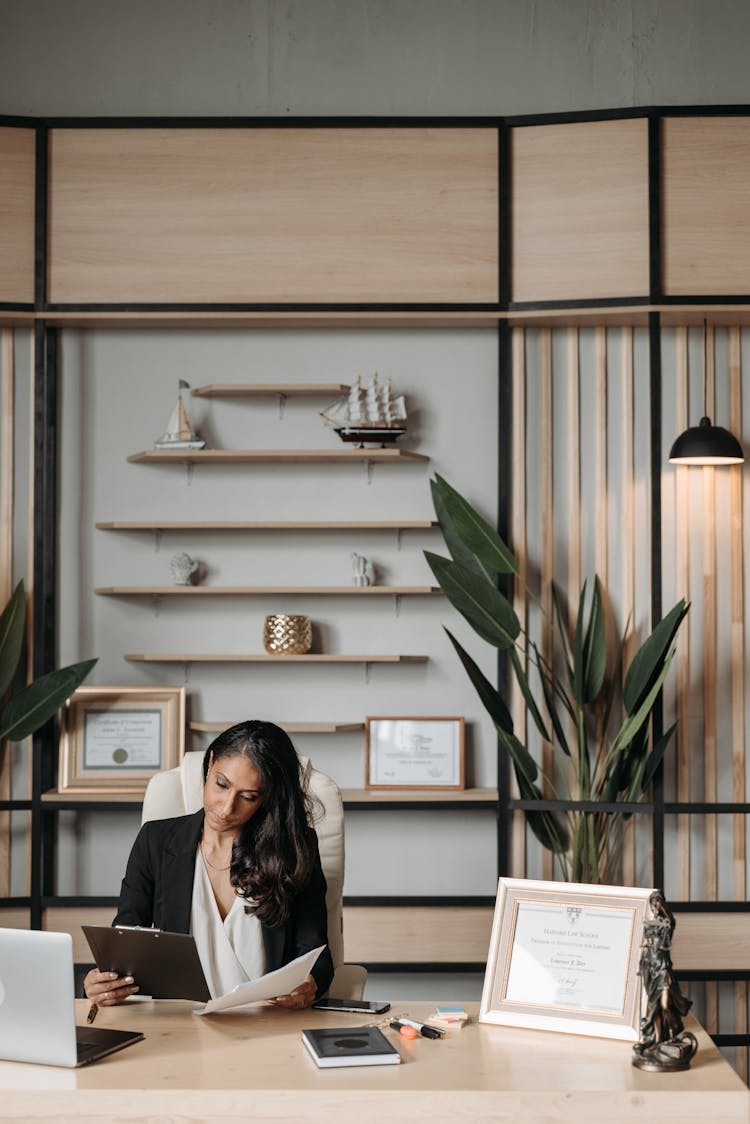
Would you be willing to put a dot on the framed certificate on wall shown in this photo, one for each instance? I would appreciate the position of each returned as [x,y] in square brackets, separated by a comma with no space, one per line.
[113,739]
[414,752]
[564,956]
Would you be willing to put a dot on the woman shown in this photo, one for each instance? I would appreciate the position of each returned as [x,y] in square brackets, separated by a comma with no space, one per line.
[242,875]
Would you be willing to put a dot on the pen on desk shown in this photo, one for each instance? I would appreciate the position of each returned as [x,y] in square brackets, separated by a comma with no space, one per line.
[92,1013]
[423,1028]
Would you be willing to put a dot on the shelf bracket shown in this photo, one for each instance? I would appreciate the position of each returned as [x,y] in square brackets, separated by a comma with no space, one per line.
[158,535]
[369,469]
[397,604]
[189,467]
[156,604]
[399,538]
[186,667]
[366,672]
[282,406]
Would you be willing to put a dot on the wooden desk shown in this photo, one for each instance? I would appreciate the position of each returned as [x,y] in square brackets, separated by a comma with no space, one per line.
[254,1065]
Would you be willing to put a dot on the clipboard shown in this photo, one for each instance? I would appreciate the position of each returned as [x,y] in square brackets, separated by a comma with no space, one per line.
[164,965]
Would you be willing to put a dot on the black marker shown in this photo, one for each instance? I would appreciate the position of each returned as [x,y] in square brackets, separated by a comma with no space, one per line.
[423,1028]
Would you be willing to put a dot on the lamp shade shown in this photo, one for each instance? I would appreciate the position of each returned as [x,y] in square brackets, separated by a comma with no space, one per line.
[706,444]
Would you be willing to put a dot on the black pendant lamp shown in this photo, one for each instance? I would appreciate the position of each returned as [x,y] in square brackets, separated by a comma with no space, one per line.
[706,443]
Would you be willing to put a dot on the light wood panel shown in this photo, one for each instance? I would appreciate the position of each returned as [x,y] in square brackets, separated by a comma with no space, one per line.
[518,524]
[706,221]
[580,211]
[302,525]
[343,215]
[417,934]
[314,658]
[17,178]
[269,590]
[277,456]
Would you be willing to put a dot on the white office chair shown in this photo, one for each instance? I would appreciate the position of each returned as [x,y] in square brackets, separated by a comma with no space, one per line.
[176,792]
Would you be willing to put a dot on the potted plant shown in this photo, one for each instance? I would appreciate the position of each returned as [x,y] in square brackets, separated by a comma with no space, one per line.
[26,710]
[574,700]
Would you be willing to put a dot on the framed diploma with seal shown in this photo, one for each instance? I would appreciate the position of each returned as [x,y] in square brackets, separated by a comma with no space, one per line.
[414,753]
[113,739]
[564,956]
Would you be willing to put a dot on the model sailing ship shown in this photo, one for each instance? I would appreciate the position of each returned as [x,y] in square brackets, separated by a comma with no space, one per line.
[369,413]
[180,434]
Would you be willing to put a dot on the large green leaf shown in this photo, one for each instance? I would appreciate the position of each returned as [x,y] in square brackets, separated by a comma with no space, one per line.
[633,722]
[40,700]
[577,684]
[458,549]
[650,657]
[523,683]
[594,648]
[490,697]
[476,533]
[548,689]
[654,760]
[12,623]
[488,612]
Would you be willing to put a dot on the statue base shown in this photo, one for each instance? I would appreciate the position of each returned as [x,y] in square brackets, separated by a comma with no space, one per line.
[666,1057]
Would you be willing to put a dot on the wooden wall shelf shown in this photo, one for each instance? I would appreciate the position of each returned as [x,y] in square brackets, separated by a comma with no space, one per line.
[176,657]
[268,591]
[271,390]
[301,525]
[352,797]
[290,727]
[279,456]
[374,798]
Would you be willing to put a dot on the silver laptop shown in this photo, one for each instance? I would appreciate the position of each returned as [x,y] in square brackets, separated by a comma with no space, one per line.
[37,1004]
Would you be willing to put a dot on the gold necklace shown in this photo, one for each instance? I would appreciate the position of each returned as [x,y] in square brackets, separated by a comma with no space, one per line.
[203,852]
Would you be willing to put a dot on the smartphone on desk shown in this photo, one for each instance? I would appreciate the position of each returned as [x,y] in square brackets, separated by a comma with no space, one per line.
[359,1006]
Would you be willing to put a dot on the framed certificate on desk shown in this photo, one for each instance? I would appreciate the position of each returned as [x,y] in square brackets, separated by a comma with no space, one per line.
[564,956]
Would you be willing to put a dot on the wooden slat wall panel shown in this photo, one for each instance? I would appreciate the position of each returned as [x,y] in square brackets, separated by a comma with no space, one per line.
[17,177]
[592,478]
[518,523]
[706,223]
[569,180]
[7,446]
[682,582]
[273,215]
[627,547]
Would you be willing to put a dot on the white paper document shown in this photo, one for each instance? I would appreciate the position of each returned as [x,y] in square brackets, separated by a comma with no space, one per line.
[280,982]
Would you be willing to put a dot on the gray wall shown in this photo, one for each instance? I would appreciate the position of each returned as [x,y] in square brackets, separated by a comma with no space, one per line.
[267,57]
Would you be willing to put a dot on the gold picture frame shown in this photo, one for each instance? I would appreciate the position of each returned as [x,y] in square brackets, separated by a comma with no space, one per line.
[425,752]
[113,739]
[564,956]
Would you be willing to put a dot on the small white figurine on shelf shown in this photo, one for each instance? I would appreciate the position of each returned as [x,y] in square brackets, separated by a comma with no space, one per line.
[183,568]
[180,434]
[362,571]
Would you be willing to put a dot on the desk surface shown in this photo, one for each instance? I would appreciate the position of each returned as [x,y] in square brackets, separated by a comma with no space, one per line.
[254,1065]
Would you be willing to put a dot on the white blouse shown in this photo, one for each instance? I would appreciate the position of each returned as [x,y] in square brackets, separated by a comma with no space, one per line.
[231,951]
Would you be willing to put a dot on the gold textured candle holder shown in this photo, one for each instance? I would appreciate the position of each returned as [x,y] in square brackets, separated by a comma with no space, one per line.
[287,636]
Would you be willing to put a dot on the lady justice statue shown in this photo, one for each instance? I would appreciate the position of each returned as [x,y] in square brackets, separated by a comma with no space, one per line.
[664,1044]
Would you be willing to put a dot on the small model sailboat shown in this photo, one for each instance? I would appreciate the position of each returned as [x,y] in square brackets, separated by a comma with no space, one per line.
[179,434]
[370,413]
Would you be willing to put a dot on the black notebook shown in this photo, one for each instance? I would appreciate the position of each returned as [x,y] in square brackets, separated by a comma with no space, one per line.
[358,1045]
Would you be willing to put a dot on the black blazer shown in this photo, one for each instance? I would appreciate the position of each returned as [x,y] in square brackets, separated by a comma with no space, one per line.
[157,890]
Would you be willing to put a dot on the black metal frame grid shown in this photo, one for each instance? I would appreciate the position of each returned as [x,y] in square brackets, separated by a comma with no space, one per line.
[45,480]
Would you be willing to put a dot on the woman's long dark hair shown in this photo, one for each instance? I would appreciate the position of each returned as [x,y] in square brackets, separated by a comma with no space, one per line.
[274,856]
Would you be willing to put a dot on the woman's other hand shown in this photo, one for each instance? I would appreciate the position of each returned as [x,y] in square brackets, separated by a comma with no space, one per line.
[107,988]
[302,996]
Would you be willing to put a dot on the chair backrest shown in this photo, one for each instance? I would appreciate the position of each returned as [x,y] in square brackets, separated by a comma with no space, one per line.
[176,792]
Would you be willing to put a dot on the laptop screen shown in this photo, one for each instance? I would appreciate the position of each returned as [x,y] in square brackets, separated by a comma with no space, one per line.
[37,997]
